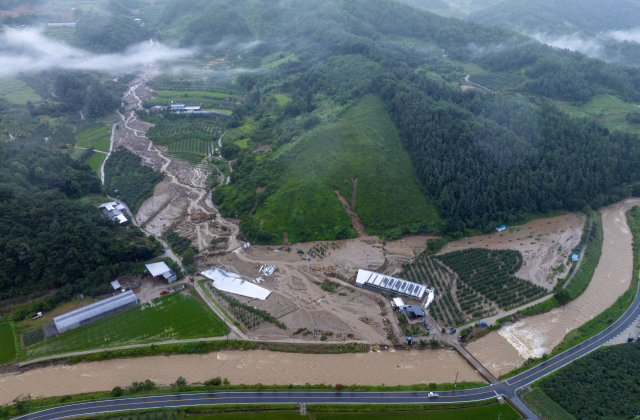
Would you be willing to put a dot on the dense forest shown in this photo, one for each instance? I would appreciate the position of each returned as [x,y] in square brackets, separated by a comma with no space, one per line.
[109,33]
[483,159]
[129,181]
[48,238]
[600,385]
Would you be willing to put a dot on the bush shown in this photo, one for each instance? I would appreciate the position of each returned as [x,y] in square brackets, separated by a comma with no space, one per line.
[339,387]
[117,392]
[562,296]
[214,382]
[226,381]
[147,385]
[323,338]
[181,381]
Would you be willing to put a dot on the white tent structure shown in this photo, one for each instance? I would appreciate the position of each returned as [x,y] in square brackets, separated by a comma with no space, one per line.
[233,283]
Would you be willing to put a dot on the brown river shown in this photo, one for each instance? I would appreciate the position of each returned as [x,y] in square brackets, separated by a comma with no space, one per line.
[249,367]
[507,348]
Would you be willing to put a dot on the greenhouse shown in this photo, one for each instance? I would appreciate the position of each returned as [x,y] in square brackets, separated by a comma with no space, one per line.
[95,311]
[384,283]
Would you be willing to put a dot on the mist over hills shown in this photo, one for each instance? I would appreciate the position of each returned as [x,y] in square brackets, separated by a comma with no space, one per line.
[475,160]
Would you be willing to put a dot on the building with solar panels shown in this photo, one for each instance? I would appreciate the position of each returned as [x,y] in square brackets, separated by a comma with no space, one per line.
[95,311]
[384,283]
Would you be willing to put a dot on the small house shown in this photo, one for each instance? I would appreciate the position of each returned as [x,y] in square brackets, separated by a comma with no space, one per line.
[114,211]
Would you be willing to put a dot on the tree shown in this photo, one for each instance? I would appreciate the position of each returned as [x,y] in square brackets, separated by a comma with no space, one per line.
[562,296]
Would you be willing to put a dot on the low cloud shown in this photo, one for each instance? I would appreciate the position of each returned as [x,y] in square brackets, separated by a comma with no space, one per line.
[29,51]
[590,46]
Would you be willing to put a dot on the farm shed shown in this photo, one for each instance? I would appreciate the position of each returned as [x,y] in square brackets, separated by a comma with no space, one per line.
[398,302]
[161,269]
[116,285]
[383,283]
[233,283]
[175,107]
[95,311]
[413,311]
[575,257]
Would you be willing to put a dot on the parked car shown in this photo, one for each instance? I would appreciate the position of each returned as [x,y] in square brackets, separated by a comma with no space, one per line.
[453,331]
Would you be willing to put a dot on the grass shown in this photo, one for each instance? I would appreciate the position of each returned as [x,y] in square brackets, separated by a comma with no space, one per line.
[60,33]
[248,416]
[204,287]
[95,161]
[364,144]
[176,316]
[94,133]
[283,99]
[17,92]
[610,110]
[7,343]
[544,406]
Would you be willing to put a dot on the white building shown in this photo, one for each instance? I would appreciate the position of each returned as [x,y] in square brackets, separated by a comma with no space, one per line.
[114,211]
[384,283]
[161,269]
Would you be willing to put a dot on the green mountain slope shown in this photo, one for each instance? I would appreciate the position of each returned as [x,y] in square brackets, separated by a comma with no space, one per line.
[364,145]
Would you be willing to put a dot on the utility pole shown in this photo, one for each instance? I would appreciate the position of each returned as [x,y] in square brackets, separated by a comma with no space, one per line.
[456,382]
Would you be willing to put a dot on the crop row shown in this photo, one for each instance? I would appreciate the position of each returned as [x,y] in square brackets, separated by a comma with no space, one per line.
[169,127]
[490,274]
[192,145]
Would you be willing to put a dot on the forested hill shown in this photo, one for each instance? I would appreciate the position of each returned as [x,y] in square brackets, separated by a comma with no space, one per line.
[481,159]
[49,239]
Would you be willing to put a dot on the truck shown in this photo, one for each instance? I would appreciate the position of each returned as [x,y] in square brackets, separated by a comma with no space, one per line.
[433,395]
[36,316]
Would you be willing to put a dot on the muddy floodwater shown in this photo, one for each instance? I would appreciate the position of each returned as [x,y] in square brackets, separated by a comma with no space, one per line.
[534,336]
[249,367]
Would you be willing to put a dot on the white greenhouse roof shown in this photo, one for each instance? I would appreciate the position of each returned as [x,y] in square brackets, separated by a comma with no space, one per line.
[398,301]
[115,284]
[158,269]
[233,283]
[390,284]
[90,311]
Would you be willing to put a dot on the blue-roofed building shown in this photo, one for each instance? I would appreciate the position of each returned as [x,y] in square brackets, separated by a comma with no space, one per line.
[575,257]
[501,228]
[176,107]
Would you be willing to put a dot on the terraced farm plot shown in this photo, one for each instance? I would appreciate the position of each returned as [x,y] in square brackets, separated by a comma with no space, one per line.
[95,161]
[176,316]
[7,343]
[191,150]
[99,138]
[486,278]
[169,131]
[430,272]
[17,92]
[191,96]
[61,33]
[33,337]
[101,131]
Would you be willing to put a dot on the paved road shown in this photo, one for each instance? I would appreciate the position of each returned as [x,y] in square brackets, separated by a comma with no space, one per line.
[507,388]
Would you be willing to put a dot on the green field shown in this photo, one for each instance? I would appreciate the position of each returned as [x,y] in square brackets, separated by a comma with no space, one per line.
[60,33]
[101,131]
[491,411]
[95,161]
[485,412]
[283,99]
[192,150]
[17,92]
[609,110]
[179,96]
[364,144]
[176,316]
[544,406]
[7,343]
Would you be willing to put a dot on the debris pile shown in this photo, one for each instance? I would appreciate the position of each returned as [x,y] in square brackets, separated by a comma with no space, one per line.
[368,321]
[200,217]
[267,270]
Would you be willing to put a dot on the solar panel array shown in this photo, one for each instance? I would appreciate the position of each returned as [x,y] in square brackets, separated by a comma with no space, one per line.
[391,284]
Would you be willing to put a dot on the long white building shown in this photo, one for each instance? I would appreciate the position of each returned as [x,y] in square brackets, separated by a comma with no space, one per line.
[385,283]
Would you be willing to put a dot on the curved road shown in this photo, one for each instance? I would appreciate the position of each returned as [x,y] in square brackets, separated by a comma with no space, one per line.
[507,388]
